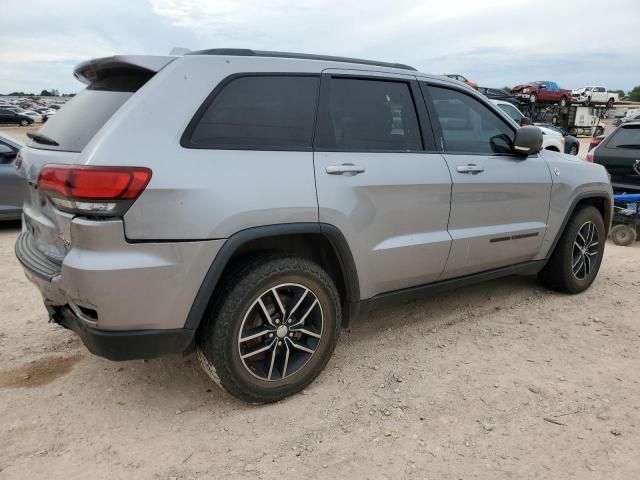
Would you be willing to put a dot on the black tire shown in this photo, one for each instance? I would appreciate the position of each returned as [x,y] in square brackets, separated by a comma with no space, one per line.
[558,273]
[573,150]
[623,235]
[610,102]
[599,130]
[587,102]
[220,343]
[24,123]
[533,98]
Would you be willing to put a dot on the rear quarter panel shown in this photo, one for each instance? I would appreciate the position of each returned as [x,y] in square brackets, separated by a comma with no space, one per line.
[573,179]
[196,193]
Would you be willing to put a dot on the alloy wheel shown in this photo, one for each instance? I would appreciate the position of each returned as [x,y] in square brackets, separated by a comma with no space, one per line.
[280,332]
[586,248]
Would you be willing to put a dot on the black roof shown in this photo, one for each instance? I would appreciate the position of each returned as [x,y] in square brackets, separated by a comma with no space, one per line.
[245,52]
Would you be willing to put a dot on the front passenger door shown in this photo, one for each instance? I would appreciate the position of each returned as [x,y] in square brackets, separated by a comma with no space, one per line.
[499,201]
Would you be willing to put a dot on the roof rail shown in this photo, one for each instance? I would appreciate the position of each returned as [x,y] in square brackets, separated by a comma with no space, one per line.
[245,52]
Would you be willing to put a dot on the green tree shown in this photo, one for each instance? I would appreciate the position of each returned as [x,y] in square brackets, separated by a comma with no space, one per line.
[634,94]
[45,93]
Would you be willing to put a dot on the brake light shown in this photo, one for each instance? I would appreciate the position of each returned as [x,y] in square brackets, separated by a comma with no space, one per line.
[594,143]
[589,157]
[93,190]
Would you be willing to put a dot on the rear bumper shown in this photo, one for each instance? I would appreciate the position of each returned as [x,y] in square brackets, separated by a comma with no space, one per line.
[124,345]
[114,285]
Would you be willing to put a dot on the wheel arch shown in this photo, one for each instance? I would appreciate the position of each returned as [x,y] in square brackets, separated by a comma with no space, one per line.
[319,242]
[601,200]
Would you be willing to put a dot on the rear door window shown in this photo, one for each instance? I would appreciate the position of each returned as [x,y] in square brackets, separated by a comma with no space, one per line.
[257,112]
[627,137]
[368,115]
[76,123]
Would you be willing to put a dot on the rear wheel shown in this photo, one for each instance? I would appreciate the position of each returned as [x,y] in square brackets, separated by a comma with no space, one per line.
[24,123]
[573,150]
[275,329]
[610,103]
[623,235]
[576,259]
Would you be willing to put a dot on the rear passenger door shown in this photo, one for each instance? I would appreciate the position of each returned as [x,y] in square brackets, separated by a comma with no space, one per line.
[499,202]
[380,179]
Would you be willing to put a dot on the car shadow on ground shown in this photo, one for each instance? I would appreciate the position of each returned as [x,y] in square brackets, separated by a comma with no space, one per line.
[9,225]
[138,381]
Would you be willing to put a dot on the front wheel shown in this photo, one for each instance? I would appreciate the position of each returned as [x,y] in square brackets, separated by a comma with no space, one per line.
[24,123]
[610,103]
[563,102]
[573,150]
[274,330]
[576,259]
[533,98]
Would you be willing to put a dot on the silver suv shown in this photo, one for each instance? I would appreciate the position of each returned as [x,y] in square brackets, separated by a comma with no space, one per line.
[246,204]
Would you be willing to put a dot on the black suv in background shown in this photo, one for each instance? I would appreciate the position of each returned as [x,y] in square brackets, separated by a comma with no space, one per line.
[619,153]
[9,116]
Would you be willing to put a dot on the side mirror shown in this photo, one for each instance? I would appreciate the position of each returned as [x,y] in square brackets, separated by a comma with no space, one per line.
[525,121]
[528,141]
[6,154]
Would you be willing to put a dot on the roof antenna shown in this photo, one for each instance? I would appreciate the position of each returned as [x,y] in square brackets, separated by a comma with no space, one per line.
[179,51]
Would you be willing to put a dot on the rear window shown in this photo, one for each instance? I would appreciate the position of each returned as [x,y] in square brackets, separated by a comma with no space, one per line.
[257,112]
[627,137]
[76,123]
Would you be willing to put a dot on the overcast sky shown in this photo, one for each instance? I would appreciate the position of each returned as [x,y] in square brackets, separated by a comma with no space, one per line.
[493,42]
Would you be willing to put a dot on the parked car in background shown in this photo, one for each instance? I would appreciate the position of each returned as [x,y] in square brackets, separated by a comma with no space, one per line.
[619,153]
[8,115]
[462,79]
[551,139]
[634,117]
[35,116]
[12,186]
[593,95]
[499,94]
[542,92]
[571,143]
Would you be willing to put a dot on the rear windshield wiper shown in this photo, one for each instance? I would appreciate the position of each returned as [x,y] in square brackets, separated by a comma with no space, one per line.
[629,145]
[40,138]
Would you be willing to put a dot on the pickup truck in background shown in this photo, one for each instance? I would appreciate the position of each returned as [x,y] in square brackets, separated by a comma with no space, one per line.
[591,95]
[542,92]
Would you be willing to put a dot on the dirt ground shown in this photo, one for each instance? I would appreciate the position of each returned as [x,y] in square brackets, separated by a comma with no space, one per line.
[498,380]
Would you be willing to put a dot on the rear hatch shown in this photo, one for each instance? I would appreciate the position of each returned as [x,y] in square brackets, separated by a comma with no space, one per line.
[62,140]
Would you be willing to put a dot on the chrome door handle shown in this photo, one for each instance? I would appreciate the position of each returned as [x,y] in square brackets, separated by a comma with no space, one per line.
[470,168]
[345,169]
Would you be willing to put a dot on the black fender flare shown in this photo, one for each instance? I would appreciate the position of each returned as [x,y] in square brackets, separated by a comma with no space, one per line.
[608,213]
[235,241]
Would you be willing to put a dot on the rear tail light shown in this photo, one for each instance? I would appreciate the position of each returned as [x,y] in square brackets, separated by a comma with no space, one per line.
[594,143]
[89,190]
[589,157]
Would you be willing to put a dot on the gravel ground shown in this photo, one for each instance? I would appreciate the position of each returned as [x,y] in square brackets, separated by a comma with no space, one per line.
[498,380]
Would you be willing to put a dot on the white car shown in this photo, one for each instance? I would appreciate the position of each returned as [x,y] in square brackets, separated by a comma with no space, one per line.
[551,139]
[591,95]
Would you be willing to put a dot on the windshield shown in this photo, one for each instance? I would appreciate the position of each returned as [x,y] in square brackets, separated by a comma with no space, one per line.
[512,111]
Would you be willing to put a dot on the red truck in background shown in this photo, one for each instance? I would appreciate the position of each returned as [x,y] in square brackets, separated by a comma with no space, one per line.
[542,92]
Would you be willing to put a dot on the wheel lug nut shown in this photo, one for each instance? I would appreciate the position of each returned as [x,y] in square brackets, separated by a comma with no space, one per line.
[277,321]
[291,334]
[279,343]
[271,335]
